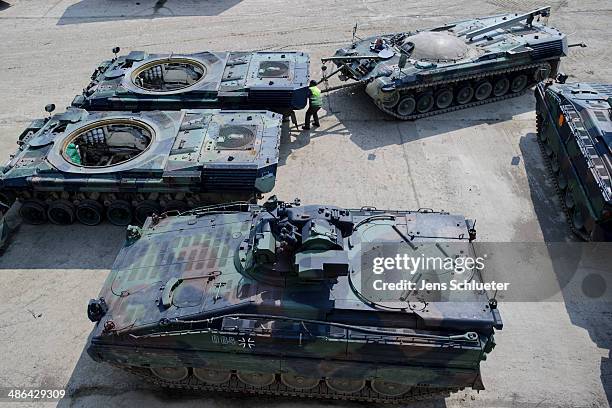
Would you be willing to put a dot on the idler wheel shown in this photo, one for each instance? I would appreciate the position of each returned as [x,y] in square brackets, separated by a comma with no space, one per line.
[299,382]
[406,106]
[7,198]
[389,99]
[119,212]
[33,212]
[444,98]
[425,102]
[390,389]
[172,374]
[542,72]
[255,379]
[212,376]
[501,86]
[519,83]
[464,94]
[146,209]
[175,205]
[89,212]
[483,90]
[345,385]
[61,212]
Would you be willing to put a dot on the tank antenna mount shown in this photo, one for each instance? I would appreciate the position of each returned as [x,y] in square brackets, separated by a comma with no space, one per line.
[116,51]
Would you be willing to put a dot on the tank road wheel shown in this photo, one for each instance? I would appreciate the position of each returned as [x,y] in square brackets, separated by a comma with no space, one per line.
[389,389]
[569,199]
[119,212]
[561,181]
[406,106]
[501,86]
[444,98]
[61,212]
[345,385]
[425,102]
[172,374]
[299,382]
[33,212]
[146,209]
[483,90]
[464,94]
[542,72]
[255,379]
[212,376]
[89,212]
[577,220]
[518,83]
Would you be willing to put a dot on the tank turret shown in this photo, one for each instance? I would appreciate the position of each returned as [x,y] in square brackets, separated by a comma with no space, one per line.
[273,300]
[415,74]
[274,81]
[574,123]
[86,166]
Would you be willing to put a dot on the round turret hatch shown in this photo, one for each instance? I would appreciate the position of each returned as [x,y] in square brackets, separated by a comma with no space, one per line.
[168,74]
[235,137]
[107,143]
[439,46]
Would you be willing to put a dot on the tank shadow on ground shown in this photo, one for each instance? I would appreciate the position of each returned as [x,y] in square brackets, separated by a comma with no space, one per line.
[369,128]
[92,11]
[63,247]
[94,384]
[588,312]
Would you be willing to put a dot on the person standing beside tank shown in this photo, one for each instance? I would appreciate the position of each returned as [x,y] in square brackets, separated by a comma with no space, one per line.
[315,101]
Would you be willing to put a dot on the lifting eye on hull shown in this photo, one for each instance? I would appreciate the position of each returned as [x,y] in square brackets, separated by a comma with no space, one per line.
[107,144]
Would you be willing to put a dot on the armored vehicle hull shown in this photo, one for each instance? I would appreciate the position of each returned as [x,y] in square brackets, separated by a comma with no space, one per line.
[575,132]
[411,75]
[85,166]
[274,81]
[271,300]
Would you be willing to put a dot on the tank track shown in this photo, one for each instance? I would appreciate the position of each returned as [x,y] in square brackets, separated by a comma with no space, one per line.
[161,202]
[434,111]
[321,391]
[558,189]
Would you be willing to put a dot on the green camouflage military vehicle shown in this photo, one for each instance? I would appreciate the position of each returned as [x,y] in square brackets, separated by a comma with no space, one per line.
[273,300]
[414,74]
[85,166]
[276,81]
[575,131]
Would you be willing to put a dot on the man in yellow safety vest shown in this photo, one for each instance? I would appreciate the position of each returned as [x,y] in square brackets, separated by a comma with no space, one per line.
[315,102]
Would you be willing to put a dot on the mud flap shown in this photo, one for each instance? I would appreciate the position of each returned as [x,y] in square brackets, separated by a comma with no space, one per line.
[478,385]
[9,222]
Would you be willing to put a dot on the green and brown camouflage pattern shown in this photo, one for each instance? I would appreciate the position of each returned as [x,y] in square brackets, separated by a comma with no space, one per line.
[274,290]
[193,157]
[575,129]
[274,81]
[495,57]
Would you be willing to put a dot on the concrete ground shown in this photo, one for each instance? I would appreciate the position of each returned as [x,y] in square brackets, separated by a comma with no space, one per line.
[483,163]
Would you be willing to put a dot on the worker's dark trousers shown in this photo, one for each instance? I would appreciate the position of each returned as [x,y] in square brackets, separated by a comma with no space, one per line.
[312,112]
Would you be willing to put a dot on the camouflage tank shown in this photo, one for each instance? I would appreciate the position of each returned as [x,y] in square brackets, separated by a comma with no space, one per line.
[274,81]
[575,133]
[415,74]
[267,300]
[85,166]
